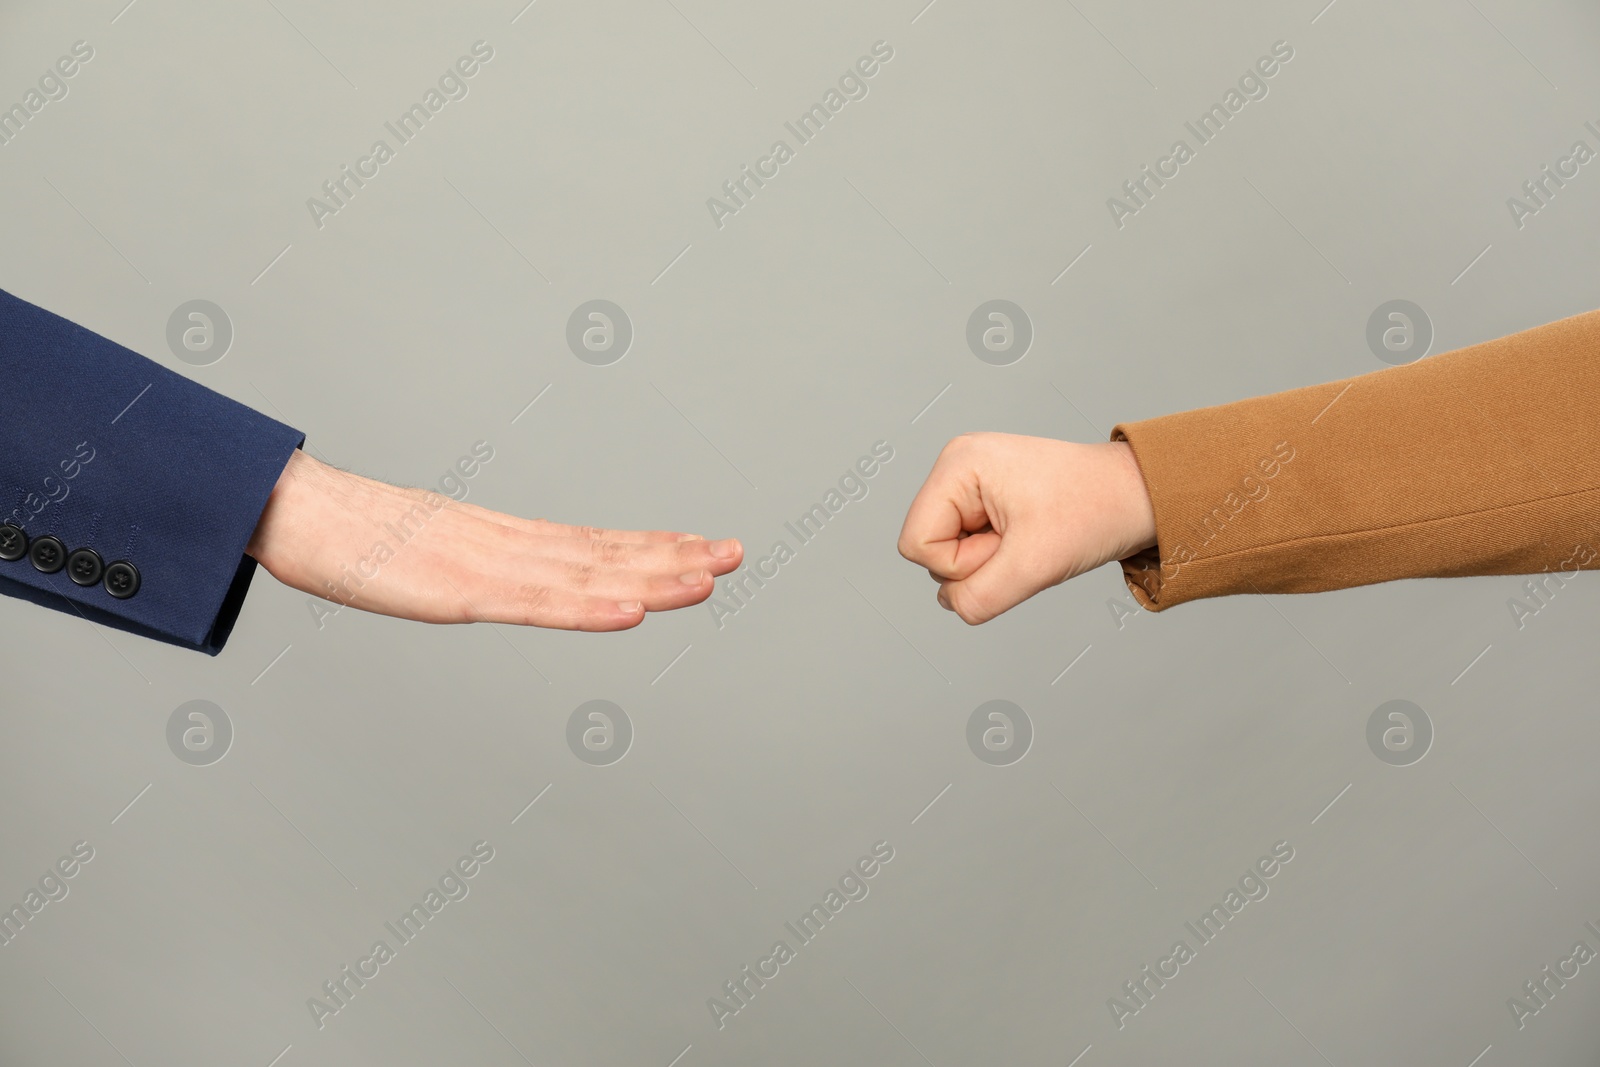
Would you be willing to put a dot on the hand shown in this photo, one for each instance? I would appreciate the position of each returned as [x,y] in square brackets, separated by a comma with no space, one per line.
[1001,517]
[442,560]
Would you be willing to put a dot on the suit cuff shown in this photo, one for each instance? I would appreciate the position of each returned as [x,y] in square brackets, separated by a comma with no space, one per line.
[106,450]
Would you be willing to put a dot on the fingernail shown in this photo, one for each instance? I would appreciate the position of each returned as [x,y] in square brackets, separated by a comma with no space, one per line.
[944,601]
[692,579]
[629,606]
[724,549]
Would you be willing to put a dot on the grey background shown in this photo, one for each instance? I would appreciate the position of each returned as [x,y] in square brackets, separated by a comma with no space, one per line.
[830,713]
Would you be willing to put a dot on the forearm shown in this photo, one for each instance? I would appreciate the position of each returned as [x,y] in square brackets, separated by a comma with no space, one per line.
[1483,460]
[148,483]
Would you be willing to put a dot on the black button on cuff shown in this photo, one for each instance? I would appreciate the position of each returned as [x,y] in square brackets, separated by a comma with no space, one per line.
[122,579]
[13,542]
[48,554]
[85,567]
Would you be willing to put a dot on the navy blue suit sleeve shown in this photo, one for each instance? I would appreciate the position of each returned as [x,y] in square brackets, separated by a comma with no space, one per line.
[103,449]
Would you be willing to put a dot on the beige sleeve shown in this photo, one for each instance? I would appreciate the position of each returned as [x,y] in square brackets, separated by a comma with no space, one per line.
[1483,460]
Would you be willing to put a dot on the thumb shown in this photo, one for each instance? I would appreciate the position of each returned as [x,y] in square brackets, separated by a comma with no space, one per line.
[1005,580]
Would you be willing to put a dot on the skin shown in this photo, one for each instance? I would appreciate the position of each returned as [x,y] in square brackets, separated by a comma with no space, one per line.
[1002,517]
[469,564]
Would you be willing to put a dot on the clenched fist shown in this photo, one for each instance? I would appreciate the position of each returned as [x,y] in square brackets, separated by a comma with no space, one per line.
[1001,517]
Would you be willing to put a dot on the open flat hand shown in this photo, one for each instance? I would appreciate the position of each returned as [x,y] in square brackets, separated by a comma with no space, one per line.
[459,562]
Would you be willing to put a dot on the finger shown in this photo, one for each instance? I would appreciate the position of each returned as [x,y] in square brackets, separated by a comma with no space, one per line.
[672,551]
[605,602]
[439,596]
[718,557]
[1006,579]
[657,592]
[547,528]
[948,507]
[589,533]
[661,577]
[943,535]
[556,609]
[967,555]
[600,533]
[980,553]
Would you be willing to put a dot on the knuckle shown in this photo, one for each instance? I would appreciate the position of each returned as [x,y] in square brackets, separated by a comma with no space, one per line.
[581,574]
[964,446]
[593,533]
[609,553]
[533,599]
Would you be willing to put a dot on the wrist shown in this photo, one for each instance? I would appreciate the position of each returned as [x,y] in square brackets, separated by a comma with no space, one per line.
[277,517]
[1138,511]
